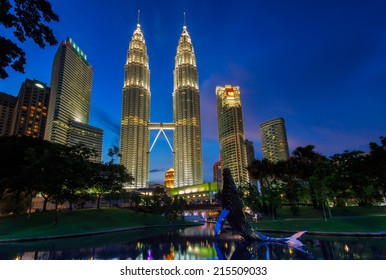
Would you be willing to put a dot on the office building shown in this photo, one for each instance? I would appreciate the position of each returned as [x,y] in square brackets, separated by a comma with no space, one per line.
[274,140]
[69,107]
[89,135]
[217,174]
[135,121]
[134,145]
[186,114]
[231,132]
[30,115]
[250,150]
[7,108]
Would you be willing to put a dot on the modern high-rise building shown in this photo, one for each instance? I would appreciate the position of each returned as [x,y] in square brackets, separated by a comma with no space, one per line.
[30,115]
[231,132]
[217,174]
[274,140]
[250,158]
[250,151]
[89,135]
[69,107]
[7,108]
[186,115]
[134,145]
[135,122]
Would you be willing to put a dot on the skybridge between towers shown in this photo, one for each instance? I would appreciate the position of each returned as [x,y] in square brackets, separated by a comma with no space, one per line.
[161,127]
[135,145]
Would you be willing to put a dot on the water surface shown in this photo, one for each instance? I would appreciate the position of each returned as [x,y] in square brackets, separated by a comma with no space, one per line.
[191,243]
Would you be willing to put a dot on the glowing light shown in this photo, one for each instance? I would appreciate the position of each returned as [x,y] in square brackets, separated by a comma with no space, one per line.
[39,85]
[149,255]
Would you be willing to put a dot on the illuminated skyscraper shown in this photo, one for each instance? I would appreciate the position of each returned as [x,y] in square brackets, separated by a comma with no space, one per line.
[231,132]
[186,114]
[69,106]
[134,144]
[274,140]
[31,110]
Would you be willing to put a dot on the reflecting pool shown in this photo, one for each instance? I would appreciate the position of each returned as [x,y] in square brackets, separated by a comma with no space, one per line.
[191,243]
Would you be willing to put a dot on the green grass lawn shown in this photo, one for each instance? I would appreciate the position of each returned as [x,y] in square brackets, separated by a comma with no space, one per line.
[79,221]
[347,219]
[309,212]
[344,224]
[344,219]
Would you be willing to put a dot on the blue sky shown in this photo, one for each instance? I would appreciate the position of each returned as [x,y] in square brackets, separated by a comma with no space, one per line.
[321,65]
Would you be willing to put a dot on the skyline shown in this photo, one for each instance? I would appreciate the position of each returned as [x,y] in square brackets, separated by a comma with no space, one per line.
[321,66]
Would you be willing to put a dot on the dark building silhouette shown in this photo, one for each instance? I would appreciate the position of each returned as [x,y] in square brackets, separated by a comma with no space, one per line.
[7,108]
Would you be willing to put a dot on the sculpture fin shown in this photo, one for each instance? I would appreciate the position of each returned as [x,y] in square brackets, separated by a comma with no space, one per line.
[221,220]
[293,240]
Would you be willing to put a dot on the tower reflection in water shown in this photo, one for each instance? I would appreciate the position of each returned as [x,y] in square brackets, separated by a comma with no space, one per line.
[192,243]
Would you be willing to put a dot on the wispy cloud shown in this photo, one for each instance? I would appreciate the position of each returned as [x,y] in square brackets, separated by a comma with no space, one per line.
[156,170]
[107,121]
[233,75]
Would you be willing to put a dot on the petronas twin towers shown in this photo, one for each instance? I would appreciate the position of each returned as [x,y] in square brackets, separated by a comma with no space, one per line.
[136,125]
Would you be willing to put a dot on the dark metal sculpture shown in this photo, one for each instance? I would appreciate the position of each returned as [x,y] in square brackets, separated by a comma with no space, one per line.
[233,213]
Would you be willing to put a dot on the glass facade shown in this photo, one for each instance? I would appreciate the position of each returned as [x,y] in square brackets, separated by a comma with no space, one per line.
[231,132]
[274,140]
[31,110]
[134,144]
[71,83]
[186,114]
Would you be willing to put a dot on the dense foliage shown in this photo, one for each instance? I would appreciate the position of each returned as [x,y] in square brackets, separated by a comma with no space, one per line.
[27,19]
[59,173]
[308,177]
[34,167]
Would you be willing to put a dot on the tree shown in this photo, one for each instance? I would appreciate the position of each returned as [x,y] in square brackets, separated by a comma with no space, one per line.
[307,160]
[55,177]
[288,171]
[377,165]
[252,198]
[135,197]
[157,200]
[356,178]
[27,18]
[322,179]
[79,173]
[271,188]
[18,177]
[108,178]
[178,207]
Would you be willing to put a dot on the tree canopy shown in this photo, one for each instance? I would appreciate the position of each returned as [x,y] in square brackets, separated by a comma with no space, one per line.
[28,19]
[308,177]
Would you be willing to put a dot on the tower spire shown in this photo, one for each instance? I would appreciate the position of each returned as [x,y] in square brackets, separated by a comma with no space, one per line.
[138,24]
[186,115]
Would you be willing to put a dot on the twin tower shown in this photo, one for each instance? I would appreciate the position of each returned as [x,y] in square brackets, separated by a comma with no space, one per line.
[136,125]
